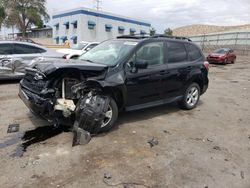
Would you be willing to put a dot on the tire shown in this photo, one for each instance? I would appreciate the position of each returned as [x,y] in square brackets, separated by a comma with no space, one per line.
[233,61]
[185,103]
[114,117]
[225,62]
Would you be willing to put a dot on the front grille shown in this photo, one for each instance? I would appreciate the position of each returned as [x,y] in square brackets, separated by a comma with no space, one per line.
[31,83]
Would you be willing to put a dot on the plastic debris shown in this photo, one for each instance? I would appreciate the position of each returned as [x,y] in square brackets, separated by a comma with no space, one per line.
[81,137]
[153,142]
[13,128]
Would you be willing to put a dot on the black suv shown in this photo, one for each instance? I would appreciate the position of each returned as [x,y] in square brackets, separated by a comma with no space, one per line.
[127,73]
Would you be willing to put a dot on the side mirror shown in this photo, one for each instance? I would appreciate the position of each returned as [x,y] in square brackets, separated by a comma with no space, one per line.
[141,64]
[87,49]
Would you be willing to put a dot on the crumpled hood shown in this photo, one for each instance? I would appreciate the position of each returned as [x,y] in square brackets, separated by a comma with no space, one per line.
[49,66]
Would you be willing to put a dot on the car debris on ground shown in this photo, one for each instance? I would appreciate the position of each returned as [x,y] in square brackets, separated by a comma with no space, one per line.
[13,128]
[153,142]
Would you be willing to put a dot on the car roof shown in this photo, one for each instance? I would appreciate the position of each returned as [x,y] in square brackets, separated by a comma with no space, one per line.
[20,42]
[157,36]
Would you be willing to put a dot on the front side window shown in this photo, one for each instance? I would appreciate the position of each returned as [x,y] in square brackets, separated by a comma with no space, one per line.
[6,49]
[26,49]
[193,52]
[109,52]
[151,53]
[176,52]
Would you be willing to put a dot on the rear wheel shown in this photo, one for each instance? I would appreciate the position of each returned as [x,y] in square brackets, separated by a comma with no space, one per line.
[191,97]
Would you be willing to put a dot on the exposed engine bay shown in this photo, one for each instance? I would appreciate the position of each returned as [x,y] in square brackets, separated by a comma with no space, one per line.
[70,100]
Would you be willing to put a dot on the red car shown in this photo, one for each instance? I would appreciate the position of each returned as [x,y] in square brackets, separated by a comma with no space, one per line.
[222,56]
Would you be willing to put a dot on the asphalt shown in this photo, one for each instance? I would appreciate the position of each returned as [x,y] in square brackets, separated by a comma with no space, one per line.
[205,147]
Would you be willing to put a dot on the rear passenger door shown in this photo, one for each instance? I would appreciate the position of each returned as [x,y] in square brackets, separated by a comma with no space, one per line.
[178,69]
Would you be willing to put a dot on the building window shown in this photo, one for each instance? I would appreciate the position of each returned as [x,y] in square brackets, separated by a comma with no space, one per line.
[132,31]
[108,27]
[143,32]
[74,23]
[74,39]
[64,38]
[91,24]
[121,29]
[66,25]
[57,40]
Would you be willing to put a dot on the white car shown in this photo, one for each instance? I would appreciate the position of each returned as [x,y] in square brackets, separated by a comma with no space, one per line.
[77,50]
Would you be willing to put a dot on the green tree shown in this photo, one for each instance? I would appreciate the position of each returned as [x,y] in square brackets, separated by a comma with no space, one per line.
[168,31]
[2,15]
[152,31]
[25,13]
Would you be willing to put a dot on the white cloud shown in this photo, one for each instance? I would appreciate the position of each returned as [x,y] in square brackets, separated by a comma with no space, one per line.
[170,13]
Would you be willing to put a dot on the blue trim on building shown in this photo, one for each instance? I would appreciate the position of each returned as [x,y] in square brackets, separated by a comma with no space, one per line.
[66,23]
[74,22]
[108,26]
[102,15]
[121,28]
[73,38]
[91,23]
[132,30]
[143,32]
[63,38]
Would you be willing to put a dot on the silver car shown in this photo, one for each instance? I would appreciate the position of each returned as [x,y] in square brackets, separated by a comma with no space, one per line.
[15,56]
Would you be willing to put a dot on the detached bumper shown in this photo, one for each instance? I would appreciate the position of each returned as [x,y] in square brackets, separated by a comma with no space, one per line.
[38,105]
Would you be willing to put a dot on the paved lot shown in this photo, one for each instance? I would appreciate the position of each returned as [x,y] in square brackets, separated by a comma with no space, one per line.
[206,147]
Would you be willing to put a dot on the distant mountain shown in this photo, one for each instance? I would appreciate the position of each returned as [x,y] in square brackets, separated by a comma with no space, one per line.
[191,30]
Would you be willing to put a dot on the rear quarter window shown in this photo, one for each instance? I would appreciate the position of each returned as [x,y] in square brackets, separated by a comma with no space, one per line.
[176,52]
[193,52]
[6,49]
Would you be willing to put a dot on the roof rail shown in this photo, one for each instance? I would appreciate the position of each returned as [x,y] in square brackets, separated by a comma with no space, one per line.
[139,36]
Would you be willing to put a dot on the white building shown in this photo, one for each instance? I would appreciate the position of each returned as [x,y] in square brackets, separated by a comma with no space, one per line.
[83,24]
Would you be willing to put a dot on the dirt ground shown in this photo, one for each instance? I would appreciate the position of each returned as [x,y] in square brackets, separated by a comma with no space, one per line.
[202,148]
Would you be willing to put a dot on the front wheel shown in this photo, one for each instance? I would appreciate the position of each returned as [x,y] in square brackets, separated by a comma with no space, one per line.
[191,97]
[110,116]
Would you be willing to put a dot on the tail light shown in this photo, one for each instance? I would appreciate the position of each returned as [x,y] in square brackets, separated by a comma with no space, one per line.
[206,64]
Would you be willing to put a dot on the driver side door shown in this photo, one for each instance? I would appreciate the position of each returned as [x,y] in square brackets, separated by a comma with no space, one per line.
[144,85]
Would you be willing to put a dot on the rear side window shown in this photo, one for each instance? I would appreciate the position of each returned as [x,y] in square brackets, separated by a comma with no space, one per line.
[193,52]
[176,52]
[26,49]
[6,49]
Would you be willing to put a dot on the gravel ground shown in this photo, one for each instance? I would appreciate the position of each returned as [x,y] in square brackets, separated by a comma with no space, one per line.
[206,147]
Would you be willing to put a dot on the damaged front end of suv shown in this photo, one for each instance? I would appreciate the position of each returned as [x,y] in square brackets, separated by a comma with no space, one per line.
[69,96]
[79,93]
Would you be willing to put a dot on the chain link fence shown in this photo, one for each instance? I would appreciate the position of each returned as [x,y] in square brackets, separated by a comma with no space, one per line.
[238,41]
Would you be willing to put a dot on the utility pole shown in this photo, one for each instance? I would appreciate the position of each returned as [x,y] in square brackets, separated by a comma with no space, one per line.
[98,4]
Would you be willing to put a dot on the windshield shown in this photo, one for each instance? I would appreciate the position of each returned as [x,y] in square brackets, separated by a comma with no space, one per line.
[109,52]
[220,51]
[79,46]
